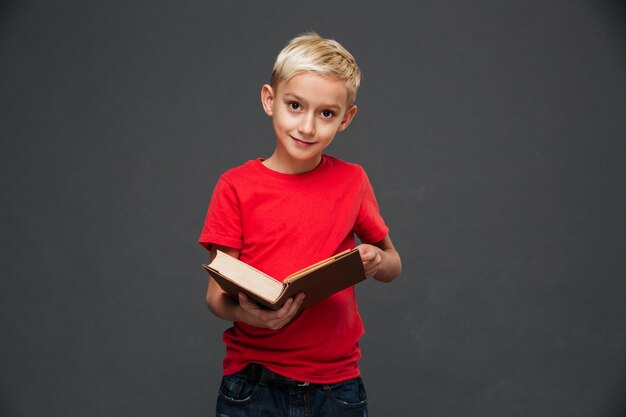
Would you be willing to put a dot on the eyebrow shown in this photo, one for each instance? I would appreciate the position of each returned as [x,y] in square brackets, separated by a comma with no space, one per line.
[325,106]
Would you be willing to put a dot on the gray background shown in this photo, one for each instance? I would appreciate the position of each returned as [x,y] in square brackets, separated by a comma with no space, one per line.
[493,132]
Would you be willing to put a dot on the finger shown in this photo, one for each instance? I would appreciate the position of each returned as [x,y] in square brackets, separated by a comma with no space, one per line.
[368,256]
[300,298]
[245,301]
[284,310]
[297,303]
[289,309]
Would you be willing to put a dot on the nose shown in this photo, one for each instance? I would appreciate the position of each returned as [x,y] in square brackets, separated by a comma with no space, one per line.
[307,124]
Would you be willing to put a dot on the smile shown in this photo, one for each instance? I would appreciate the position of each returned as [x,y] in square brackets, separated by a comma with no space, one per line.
[303,142]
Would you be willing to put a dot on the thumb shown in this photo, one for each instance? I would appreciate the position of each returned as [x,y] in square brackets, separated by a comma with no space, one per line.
[369,256]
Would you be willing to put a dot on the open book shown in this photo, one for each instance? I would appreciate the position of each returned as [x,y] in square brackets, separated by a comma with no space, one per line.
[317,281]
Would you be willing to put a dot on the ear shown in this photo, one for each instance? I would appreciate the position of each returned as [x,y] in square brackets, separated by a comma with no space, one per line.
[347,118]
[267,99]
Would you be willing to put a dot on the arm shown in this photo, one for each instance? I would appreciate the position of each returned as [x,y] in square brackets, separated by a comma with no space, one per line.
[244,309]
[381,260]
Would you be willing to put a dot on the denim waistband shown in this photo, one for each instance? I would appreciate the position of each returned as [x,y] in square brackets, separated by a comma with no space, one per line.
[256,373]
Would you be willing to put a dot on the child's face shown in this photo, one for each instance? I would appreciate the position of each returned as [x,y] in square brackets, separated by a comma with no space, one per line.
[307,111]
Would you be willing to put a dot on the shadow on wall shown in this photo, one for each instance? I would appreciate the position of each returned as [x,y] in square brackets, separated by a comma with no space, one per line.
[6,10]
[616,10]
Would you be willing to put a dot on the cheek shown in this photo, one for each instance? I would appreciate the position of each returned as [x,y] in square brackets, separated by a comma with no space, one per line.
[285,119]
[329,130]
[278,121]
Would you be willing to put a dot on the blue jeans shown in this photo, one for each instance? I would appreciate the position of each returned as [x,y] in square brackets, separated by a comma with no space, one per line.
[258,392]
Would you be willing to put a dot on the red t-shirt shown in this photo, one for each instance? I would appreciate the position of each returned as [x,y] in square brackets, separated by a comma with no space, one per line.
[282,223]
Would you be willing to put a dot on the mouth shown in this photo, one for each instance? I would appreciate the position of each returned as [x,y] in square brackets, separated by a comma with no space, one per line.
[302,142]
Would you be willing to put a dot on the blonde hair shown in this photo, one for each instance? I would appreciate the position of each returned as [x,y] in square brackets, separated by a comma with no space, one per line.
[310,52]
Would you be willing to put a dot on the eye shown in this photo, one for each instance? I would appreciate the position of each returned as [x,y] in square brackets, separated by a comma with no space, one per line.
[294,105]
[327,114]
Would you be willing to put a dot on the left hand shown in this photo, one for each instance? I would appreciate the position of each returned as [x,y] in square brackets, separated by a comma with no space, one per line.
[372,258]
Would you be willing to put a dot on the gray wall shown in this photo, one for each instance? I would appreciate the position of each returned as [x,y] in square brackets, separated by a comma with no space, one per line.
[494,134]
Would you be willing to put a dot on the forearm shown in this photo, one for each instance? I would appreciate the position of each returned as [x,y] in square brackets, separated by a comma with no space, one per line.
[221,304]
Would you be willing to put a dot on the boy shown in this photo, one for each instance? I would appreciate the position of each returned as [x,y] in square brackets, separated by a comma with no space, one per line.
[283,213]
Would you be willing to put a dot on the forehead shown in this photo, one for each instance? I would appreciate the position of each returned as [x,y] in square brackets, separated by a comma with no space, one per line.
[315,89]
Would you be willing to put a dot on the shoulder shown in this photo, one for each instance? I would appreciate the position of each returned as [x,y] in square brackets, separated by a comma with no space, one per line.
[348,173]
[345,168]
[240,173]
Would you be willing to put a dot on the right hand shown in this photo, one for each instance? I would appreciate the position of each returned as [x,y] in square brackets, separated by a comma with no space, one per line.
[259,316]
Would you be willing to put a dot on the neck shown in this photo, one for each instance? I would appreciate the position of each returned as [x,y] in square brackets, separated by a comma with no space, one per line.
[278,164]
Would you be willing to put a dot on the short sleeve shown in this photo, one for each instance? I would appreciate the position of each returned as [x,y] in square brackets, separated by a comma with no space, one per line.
[370,226]
[222,225]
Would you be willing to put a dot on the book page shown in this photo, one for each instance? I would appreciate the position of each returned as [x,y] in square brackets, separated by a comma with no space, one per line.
[315,266]
[247,277]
